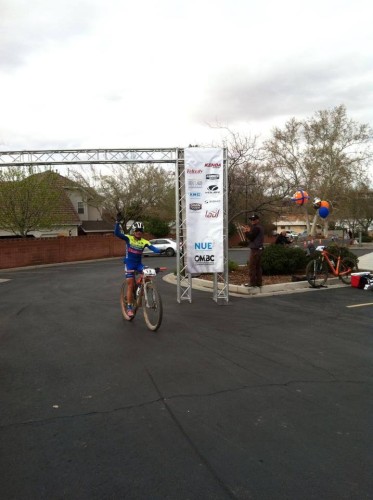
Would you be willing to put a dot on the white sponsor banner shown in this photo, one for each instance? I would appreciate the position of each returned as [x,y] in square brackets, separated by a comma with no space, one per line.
[204,199]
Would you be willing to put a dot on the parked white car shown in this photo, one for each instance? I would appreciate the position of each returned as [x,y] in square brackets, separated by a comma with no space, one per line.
[291,235]
[303,235]
[163,244]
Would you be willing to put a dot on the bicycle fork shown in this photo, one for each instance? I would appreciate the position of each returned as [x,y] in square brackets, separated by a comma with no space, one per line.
[148,296]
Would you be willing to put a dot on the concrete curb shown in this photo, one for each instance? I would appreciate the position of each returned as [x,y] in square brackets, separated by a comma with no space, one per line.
[264,291]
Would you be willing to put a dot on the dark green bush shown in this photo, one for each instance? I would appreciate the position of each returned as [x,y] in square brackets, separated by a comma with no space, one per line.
[157,227]
[366,238]
[279,259]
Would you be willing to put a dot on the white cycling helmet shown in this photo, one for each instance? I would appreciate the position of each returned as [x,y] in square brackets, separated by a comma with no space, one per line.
[138,226]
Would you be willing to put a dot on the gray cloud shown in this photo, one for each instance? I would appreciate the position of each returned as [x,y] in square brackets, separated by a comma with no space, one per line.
[291,90]
[29,27]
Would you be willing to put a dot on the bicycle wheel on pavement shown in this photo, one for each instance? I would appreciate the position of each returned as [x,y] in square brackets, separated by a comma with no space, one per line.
[347,266]
[123,302]
[152,306]
[317,272]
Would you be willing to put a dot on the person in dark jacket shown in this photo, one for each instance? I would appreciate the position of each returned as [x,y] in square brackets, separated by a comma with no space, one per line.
[282,239]
[256,244]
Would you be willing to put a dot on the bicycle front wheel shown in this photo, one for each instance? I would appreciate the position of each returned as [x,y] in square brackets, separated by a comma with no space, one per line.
[346,267]
[124,304]
[152,306]
[317,273]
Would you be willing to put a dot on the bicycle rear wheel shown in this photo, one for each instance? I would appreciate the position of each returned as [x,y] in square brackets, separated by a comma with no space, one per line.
[347,266]
[317,272]
[124,304]
[152,306]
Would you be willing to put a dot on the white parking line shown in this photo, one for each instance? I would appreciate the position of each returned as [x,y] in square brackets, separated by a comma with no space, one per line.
[361,305]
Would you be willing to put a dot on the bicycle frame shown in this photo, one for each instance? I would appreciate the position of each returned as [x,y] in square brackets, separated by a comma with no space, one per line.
[147,275]
[333,268]
[318,269]
[145,294]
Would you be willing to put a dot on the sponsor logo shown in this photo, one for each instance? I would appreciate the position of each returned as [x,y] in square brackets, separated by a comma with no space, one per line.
[195,206]
[212,177]
[213,189]
[212,214]
[194,171]
[204,259]
[213,165]
[203,245]
[194,184]
[211,202]
[195,195]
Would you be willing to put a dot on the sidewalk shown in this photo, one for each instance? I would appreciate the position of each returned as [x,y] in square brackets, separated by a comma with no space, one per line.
[264,291]
[365,264]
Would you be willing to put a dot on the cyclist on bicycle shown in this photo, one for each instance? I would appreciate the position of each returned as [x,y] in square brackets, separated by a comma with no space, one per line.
[135,245]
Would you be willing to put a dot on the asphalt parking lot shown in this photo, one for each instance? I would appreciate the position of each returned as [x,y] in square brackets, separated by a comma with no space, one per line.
[258,399]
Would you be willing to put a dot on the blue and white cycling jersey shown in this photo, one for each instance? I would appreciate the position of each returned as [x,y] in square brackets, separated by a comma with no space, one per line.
[134,249]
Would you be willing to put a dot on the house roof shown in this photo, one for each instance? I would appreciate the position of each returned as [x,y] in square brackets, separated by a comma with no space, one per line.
[96,226]
[66,211]
[292,219]
[62,184]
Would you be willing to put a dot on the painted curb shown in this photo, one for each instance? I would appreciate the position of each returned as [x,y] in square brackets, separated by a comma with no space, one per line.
[241,290]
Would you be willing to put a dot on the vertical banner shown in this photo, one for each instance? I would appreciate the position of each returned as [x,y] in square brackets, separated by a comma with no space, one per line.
[204,184]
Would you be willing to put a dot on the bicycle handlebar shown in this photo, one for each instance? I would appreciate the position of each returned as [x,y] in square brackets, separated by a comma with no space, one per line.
[156,269]
[160,269]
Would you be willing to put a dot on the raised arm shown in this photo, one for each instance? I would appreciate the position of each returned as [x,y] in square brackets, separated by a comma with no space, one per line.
[117,229]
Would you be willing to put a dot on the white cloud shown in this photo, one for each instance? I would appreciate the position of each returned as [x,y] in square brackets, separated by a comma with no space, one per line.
[293,89]
[118,73]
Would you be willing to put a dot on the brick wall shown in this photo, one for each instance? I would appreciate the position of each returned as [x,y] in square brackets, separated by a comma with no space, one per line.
[20,252]
[29,252]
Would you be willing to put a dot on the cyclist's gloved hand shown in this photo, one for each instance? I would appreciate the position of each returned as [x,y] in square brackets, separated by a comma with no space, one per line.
[119,217]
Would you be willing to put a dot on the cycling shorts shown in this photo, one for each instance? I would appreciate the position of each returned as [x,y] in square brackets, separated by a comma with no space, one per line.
[131,268]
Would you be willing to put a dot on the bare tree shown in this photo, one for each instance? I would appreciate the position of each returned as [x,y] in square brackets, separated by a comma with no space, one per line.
[356,209]
[138,191]
[250,179]
[325,154]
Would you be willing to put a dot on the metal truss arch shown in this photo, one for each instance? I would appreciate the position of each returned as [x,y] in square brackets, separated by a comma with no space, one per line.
[170,156]
[87,156]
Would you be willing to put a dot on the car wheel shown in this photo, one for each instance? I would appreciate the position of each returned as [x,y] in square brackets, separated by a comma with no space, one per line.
[170,252]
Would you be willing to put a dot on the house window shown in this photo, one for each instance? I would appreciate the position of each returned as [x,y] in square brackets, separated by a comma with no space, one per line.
[80,207]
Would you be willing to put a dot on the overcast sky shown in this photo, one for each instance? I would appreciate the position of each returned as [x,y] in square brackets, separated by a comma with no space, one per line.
[164,73]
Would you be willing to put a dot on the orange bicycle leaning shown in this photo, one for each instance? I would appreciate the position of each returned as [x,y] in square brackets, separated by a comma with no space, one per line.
[146,296]
[318,269]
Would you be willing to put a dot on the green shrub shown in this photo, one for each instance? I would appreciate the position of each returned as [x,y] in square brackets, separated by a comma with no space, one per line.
[279,259]
[366,238]
[232,266]
[157,227]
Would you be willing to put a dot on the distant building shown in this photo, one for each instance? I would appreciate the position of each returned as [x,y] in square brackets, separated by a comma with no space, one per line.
[80,208]
[290,222]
